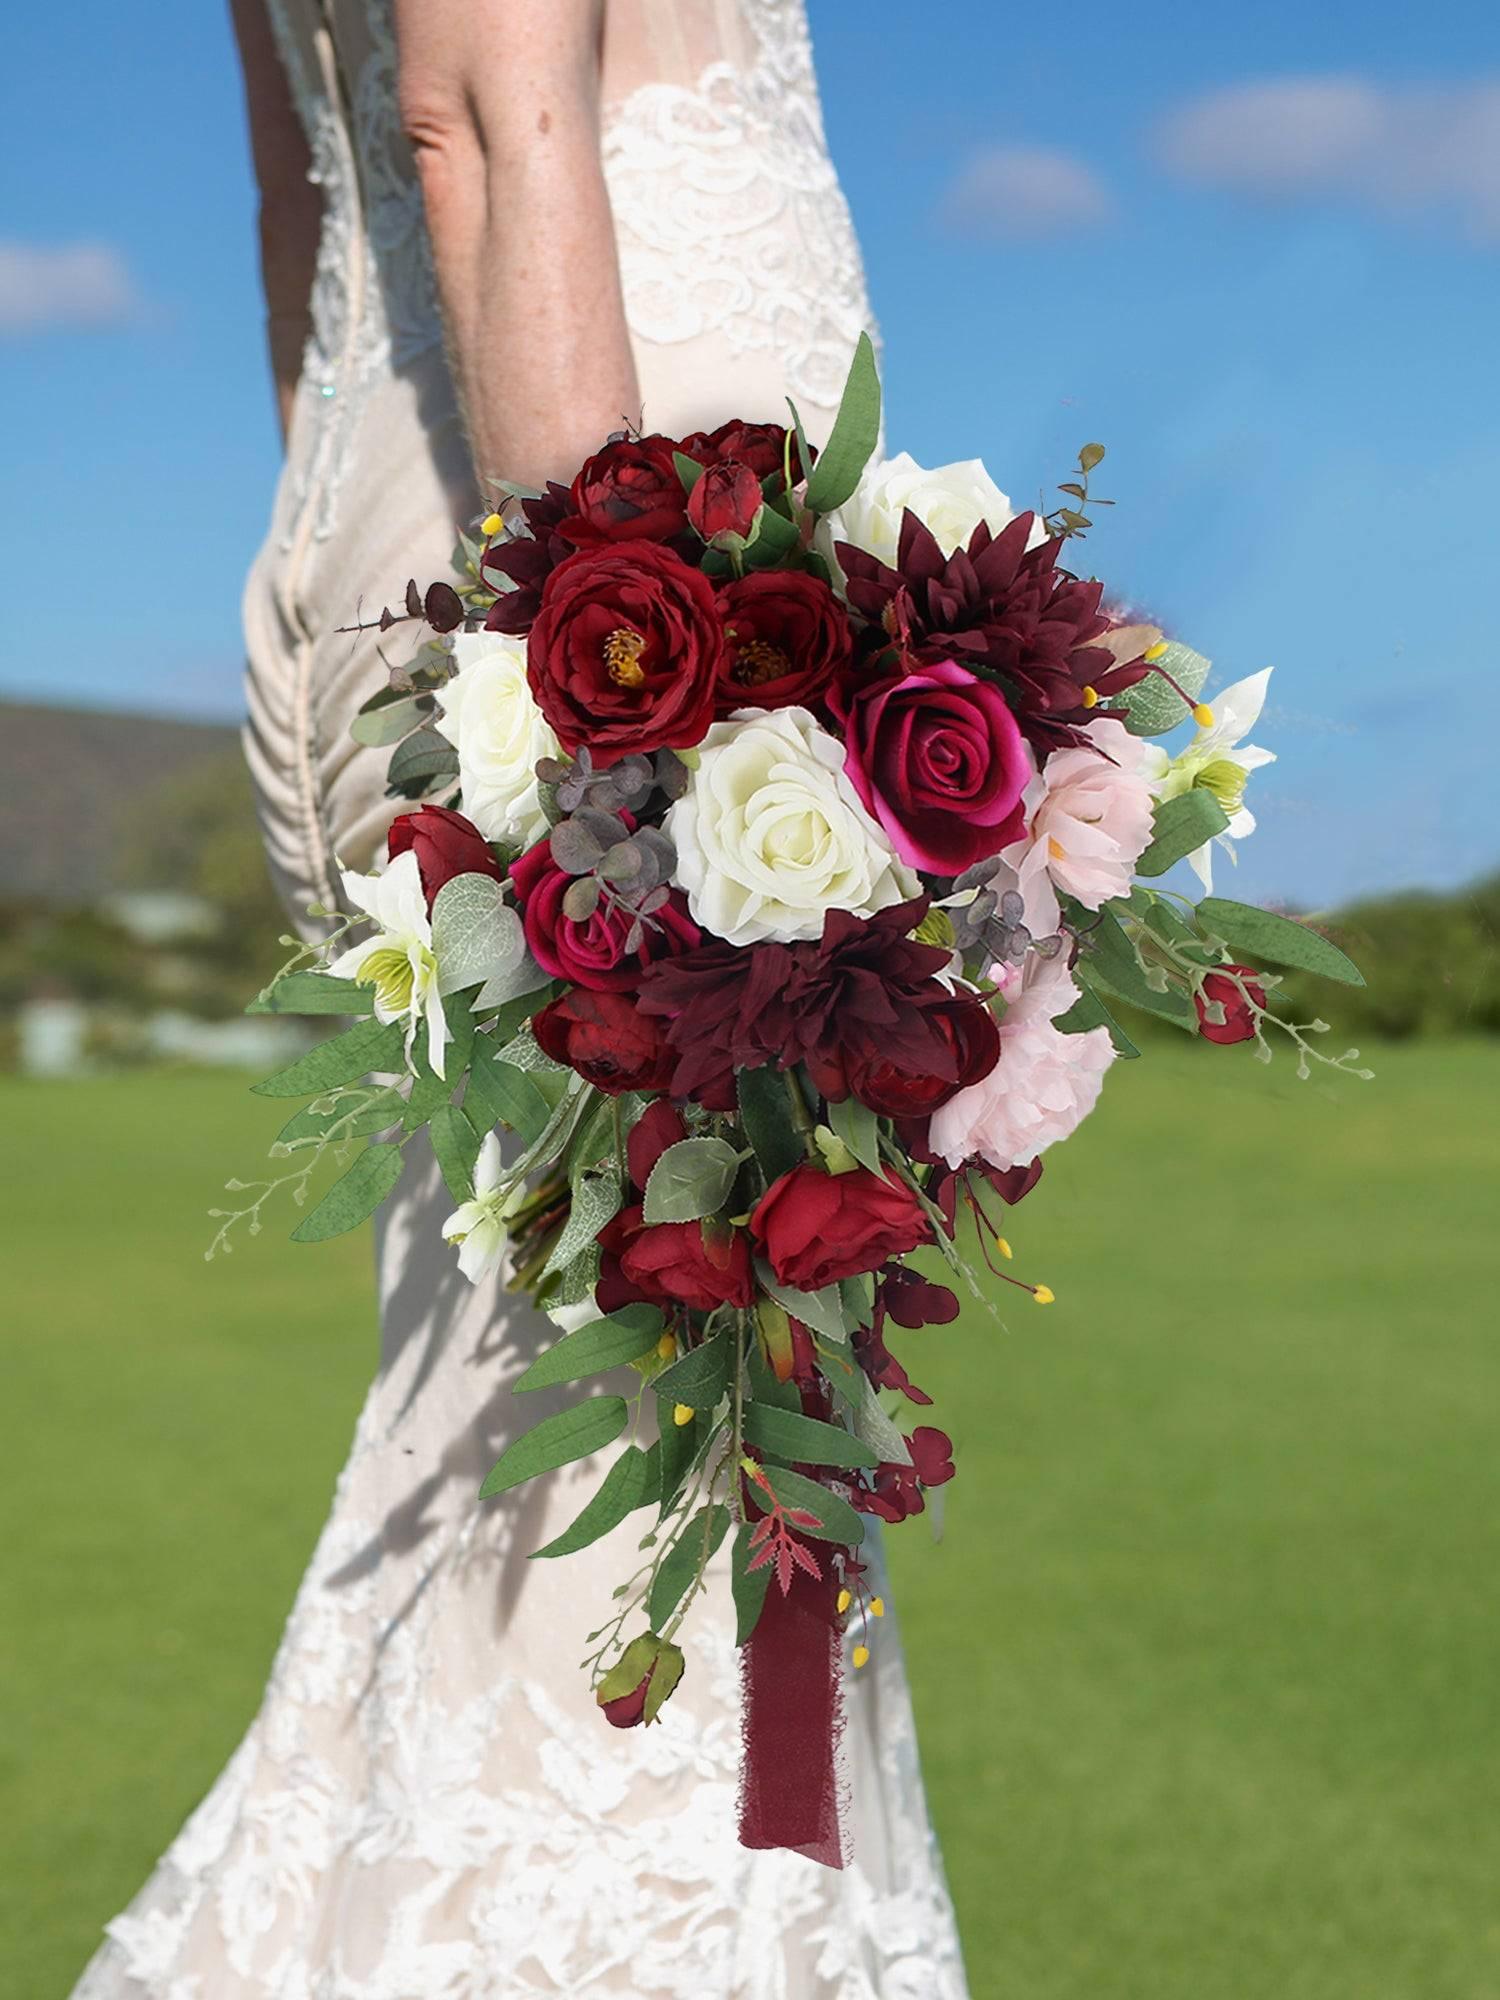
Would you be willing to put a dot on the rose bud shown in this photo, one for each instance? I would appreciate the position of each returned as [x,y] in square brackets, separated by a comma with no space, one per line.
[629,491]
[605,1039]
[760,446]
[725,505]
[445,843]
[673,1263]
[638,1684]
[816,1227]
[1238,1024]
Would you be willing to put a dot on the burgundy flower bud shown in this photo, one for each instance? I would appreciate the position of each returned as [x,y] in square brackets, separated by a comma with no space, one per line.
[445,843]
[635,1688]
[816,1227]
[605,1039]
[673,1263]
[629,491]
[1238,1024]
[760,446]
[725,505]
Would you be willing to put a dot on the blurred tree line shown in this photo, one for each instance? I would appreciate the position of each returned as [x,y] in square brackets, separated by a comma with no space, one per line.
[1431,961]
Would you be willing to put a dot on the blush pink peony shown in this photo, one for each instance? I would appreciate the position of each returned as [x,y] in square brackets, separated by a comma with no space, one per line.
[1088,821]
[1043,1087]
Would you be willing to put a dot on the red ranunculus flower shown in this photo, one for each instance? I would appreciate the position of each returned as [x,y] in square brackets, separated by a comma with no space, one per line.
[625,651]
[760,446]
[604,1038]
[939,759]
[445,843]
[1238,1024]
[785,638]
[593,953]
[816,1227]
[672,1263]
[629,491]
[725,503]
[967,1027]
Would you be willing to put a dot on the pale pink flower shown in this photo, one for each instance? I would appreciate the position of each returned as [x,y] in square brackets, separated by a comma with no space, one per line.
[1088,821]
[1043,1087]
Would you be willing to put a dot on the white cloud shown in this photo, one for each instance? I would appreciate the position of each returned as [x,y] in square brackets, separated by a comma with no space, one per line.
[1408,150]
[46,286]
[1015,193]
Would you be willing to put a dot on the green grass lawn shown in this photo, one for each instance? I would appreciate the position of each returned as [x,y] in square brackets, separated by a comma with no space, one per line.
[1205,1663]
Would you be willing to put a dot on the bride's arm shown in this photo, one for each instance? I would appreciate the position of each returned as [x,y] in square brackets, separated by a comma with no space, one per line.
[501,103]
[291,208]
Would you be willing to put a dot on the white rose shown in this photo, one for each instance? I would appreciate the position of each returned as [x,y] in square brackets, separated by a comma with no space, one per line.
[771,835]
[491,719]
[950,499]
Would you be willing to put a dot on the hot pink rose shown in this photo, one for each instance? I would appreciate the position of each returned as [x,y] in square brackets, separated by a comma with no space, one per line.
[594,953]
[938,758]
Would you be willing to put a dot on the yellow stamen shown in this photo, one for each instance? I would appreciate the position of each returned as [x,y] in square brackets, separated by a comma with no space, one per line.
[845,1600]
[622,655]
[683,1414]
[1091,697]
[666,1347]
[1156,652]
[861,1655]
[389,971]
[1004,1248]
[1043,1294]
[877,1607]
[490,526]
[1203,715]
[1055,849]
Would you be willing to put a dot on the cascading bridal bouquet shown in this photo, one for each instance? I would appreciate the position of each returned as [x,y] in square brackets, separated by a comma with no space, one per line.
[783,835]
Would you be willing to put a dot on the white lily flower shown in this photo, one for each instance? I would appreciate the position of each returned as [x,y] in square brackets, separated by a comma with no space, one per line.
[479,1227]
[398,961]
[1220,761]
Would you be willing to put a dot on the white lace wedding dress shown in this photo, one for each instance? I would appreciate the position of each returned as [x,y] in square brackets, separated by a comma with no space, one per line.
[428,1805]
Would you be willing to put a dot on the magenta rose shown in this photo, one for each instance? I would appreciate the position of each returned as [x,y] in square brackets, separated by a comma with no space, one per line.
[594,953]
[939,759]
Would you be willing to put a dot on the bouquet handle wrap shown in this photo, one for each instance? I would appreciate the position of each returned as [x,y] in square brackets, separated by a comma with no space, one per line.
[791,1718]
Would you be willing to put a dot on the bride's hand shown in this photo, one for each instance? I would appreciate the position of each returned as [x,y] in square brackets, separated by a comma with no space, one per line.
[501,104]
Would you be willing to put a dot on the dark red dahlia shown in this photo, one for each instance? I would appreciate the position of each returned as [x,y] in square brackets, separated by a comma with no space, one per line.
[527,561]
[1001,609]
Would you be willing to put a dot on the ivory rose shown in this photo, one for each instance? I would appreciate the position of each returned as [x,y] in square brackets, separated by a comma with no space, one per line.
[492,720]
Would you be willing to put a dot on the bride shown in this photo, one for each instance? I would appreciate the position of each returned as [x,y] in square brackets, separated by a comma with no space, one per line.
[539,219]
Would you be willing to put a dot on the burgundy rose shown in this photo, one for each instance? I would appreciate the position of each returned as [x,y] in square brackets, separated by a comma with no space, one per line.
[630,491]
[973,1041]
[595,952]
[673,1263]
[785,638]
[939,759]
[640,1681]
[816,1227]
[760,446]
[604,1038]
[725,504]
[626,650]
[1238,1024]
[445,844]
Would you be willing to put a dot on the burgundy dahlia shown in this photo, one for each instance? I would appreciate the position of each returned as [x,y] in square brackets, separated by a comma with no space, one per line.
[1002,609]
[527,560]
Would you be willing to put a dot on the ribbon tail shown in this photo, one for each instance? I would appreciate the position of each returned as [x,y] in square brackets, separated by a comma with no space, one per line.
[791,1718]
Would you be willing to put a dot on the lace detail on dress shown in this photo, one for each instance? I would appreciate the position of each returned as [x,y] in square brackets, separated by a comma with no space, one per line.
[729,215]
[373,304]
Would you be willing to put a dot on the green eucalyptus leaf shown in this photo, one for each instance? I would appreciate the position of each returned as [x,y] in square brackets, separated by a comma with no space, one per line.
[1089,1011]
[681,1562]
[375,727]
[418,760]
[690,1180]
[354,1197]
[855,434]
[557,1440]
[1151,707]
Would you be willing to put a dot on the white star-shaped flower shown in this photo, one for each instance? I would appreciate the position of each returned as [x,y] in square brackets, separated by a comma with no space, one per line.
[1220,761]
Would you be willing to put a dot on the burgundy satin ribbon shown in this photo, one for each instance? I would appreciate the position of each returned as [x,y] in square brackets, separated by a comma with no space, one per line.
[790,1719]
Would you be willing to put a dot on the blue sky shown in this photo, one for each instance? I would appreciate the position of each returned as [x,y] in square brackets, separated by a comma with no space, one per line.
[1261,264]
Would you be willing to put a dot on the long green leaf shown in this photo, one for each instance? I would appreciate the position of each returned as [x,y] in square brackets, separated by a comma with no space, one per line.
[855,434]
[699,1377]
[626,1486]
[377,1114]
[1112,964]
[510,1097]
[823,1311]
[1089,1011]
[680,1564]
[1278,940]
[804,1440]
[678,1446]
[455,1147]
[354,1196]
[367,1046]
[1181,827]
[418,759]
[589,1350]
[314,993]
[557,1440]
[837,1520]
[765,1113]
[859,1129]
[376,726]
